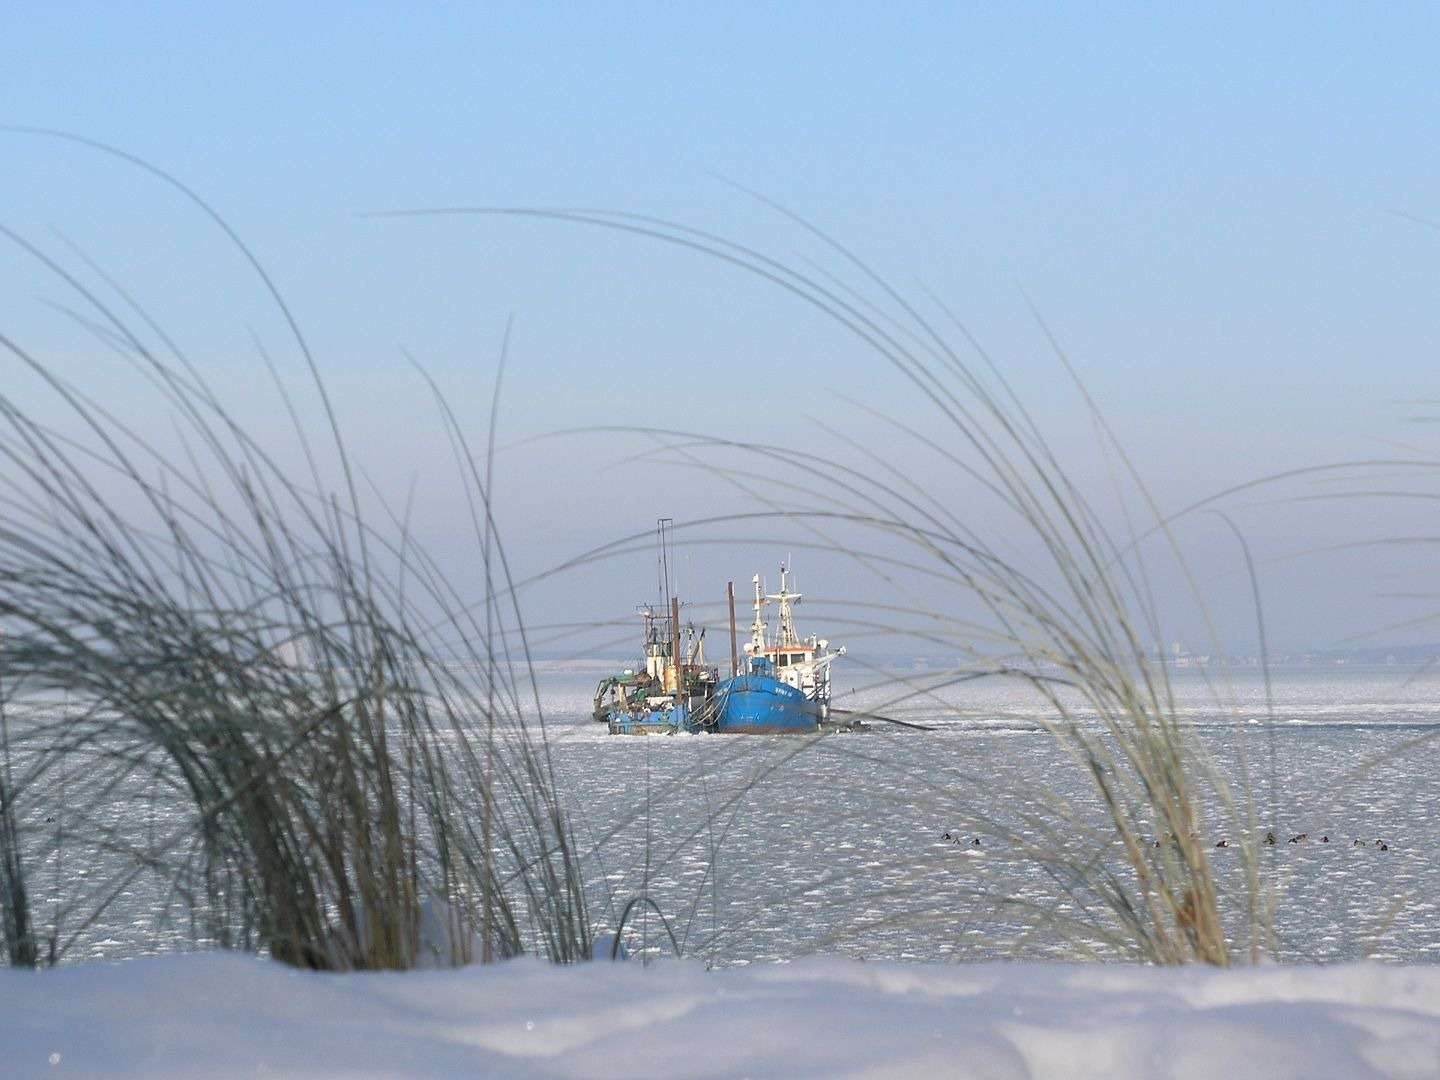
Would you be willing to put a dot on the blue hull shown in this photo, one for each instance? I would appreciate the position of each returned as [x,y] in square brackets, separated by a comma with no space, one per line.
[761,705]
[671,721]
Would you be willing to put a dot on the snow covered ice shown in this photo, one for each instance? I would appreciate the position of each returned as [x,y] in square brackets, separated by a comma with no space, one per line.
[227,1015]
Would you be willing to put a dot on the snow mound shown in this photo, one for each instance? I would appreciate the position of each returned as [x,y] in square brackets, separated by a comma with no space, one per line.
[214,1015]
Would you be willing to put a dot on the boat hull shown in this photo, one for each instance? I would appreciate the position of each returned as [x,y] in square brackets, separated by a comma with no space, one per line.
[670,721]
[762,705]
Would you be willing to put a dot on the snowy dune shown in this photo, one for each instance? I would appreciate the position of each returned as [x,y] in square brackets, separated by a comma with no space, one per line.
[228,1015]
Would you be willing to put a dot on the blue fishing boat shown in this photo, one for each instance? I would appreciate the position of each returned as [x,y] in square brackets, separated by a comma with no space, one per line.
[785,682]
[672,690]
[662,696]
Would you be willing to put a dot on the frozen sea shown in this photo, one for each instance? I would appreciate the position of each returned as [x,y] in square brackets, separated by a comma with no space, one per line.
[766,849]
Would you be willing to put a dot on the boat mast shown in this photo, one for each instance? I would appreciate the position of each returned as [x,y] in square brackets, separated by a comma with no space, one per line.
[675,658]
[734,652]
[787,638]
[664,539]
[662,626]
[757,628]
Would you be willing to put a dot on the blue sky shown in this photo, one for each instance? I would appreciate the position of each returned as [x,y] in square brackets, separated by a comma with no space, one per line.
[1202,205]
